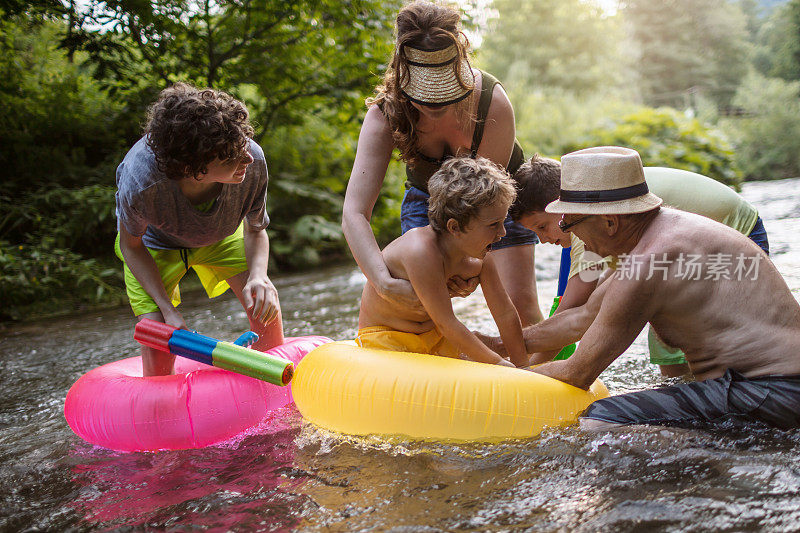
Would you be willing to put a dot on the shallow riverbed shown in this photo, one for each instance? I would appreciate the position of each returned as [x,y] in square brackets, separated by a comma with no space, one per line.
[287,474]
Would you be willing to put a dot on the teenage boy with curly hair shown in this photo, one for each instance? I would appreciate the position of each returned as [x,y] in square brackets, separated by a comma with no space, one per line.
[468,204]
[192,193]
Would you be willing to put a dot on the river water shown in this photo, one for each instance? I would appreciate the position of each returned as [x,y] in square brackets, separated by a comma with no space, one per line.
[287,474]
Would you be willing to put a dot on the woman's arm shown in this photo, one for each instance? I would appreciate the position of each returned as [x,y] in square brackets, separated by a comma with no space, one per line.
[504,314]
[373,153]
[144,268]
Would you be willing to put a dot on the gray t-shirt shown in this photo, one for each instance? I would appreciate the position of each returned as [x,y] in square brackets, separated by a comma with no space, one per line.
[152,206]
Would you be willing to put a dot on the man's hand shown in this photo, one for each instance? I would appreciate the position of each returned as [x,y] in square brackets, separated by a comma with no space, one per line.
[461,288]
[261,299]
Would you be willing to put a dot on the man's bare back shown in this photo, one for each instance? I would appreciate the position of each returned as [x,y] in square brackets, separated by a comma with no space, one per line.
[376,311]
[748,325]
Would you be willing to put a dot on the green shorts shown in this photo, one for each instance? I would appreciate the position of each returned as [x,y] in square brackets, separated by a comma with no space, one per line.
[213,264]
[661,353]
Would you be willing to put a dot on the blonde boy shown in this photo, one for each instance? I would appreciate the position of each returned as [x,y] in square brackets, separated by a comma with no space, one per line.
[468,204]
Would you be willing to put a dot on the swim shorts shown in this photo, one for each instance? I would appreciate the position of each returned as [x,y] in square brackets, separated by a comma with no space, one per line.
[383,338]
[414,214]
[759,235]
[663,354]
[213,264]
[773,400]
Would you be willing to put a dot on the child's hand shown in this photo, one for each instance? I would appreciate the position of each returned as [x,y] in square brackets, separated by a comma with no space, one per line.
[174,318]
[461,288]
[506,362]
[261,299]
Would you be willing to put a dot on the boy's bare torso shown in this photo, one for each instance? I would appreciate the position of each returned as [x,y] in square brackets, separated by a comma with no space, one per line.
[376,311]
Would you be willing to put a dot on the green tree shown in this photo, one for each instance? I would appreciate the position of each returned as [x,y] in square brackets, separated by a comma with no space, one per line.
[285,58]
[666,137]
[768,132]
[780,43]
[684,46]
[570,44]
[76,78]
[58,126]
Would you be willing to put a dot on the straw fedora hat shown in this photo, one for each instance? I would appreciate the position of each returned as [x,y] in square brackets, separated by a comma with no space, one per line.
[607,180]
[433,79]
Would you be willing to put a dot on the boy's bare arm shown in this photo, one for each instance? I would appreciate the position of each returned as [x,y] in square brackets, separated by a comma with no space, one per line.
[504,313]
[144,268]
[425,268]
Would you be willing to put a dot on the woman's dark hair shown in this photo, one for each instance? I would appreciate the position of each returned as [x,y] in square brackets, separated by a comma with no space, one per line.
[188,128]
[538,183]
[426,26]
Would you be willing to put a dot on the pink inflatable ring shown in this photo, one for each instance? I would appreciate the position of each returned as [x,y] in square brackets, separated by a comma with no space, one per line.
[115,407]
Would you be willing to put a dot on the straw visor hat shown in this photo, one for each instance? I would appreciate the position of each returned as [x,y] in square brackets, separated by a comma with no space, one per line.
[433,76]
[607,180]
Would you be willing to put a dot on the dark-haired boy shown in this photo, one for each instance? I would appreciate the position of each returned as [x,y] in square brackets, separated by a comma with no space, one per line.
[192,193]
[539,183]
[467,208]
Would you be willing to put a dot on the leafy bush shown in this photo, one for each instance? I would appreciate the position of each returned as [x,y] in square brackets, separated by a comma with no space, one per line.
[81,220]
[766,135]
[309,168]
[32,275]
[43,239]
[666,137]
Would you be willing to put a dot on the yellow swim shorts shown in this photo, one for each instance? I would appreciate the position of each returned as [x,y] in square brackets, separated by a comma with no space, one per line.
[383,338]
[213,264]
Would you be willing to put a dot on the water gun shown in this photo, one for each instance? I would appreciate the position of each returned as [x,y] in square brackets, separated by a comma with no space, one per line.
[236,357]
[563,278]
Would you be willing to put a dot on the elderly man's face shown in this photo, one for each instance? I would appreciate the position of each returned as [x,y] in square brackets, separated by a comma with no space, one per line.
[594,231]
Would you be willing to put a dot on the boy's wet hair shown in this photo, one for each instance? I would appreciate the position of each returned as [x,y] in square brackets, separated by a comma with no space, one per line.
[538,183]
[188,128]
[462,186]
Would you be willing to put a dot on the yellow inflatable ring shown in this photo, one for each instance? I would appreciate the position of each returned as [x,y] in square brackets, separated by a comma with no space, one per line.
[360,391]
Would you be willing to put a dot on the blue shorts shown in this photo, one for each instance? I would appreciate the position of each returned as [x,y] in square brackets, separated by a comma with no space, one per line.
[773,400]
[414,214]
[759,235]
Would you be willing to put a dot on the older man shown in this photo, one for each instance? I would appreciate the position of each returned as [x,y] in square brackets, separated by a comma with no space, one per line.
[705,288]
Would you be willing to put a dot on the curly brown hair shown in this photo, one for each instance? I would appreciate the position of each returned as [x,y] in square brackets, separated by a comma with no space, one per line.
[428,26]
[462,186]
[187,128]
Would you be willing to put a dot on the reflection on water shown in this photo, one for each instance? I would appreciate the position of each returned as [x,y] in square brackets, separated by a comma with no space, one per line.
[285,474]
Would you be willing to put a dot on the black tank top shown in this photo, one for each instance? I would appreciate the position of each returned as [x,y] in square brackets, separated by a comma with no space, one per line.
[418,175]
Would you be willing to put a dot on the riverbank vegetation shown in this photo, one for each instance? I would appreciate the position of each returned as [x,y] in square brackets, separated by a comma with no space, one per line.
[707,85]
